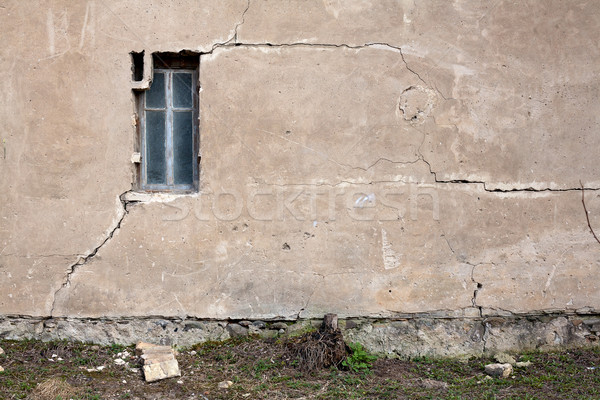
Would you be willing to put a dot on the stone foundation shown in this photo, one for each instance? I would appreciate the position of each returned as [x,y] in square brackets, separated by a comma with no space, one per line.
[404,338]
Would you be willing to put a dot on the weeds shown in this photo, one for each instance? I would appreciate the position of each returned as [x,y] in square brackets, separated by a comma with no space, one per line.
[265,370]
[359,360]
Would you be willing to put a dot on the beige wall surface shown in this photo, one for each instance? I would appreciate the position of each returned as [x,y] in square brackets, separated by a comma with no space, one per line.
[367,158]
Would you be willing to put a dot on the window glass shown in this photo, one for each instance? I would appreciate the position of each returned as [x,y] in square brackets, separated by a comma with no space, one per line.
[183,146]
[182,90]
[155,97]
[155,147]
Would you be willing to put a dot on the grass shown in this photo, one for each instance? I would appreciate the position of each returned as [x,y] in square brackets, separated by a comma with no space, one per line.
[263,369]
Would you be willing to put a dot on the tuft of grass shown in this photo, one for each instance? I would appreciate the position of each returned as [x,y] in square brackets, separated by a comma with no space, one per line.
[53,389]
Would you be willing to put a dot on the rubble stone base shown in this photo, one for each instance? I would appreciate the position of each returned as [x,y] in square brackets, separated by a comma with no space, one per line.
[405,338]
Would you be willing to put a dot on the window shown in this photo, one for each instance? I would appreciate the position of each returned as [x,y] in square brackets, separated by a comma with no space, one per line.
[169,125]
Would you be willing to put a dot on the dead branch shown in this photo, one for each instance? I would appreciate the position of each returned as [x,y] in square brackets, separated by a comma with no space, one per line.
[587,217]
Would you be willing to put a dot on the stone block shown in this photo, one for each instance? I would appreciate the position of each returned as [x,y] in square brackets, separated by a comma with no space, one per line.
[268,333]
[279,325]
[499,370]
[236,330]
[162,370]
[159,361]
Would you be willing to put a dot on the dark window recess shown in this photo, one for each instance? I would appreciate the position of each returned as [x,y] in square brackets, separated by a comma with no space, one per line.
[169,129]
[137,67]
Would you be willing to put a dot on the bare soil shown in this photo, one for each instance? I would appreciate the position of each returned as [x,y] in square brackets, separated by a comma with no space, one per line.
[267,369]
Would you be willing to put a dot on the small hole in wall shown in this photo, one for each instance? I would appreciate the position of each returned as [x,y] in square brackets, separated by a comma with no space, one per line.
[285,246]
[137,66]
[479,286]
[390,290]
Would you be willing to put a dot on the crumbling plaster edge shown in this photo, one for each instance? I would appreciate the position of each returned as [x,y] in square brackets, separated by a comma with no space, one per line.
[467,313]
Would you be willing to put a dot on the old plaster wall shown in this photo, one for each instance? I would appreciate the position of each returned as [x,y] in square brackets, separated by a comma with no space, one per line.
[368,158]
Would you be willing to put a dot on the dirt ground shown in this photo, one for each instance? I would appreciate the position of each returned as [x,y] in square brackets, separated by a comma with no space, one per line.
[266,369]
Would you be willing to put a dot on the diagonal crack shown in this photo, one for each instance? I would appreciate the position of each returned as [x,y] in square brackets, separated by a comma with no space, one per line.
[84,259]
[234,37]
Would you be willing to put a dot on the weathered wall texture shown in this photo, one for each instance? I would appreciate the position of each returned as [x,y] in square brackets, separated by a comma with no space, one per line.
[367,158]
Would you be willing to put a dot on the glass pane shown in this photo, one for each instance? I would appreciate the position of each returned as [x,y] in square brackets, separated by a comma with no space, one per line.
[183,148]
[155,97]
[182,90]
[155,147]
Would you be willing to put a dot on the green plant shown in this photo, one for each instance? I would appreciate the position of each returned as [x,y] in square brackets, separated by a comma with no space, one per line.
[263,365]
[116,348]
[359,360]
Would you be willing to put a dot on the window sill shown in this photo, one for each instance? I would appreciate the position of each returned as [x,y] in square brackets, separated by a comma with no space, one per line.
[152,197]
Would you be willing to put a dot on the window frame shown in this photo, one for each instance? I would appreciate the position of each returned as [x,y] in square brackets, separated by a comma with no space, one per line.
[169,69]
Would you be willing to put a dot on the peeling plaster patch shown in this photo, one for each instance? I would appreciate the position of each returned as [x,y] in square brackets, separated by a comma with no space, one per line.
[415,104]
[390,258]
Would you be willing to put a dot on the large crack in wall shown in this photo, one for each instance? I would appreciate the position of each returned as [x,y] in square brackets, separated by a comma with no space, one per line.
[84,259]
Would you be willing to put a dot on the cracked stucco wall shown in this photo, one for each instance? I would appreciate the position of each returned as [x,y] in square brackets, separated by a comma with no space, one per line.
[368,158]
